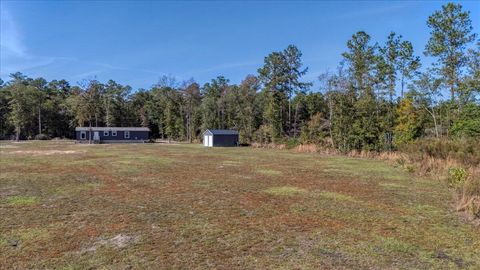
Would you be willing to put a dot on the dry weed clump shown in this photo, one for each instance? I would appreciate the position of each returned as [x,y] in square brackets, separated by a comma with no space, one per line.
[307,148]
[468,201]
[313,148]
[269,146]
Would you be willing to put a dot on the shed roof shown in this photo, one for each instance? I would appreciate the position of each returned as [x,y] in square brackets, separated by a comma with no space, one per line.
[221,131]
[112,128]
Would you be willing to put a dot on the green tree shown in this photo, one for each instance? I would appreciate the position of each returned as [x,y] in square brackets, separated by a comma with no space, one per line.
[86,104]
[213,104]
[468,122]
[282,72]
[21,104]
[140,107]
[362,63]
[172,117]
[40,97]
[341,119]
[240,108]
[57,119]
[408,126]
[152,109]
[426,91]
[192,110]
[314,130]
[5,125]
[273,114]
[114,103]
[407,64]
[451,32]
[469,87]
[360,59]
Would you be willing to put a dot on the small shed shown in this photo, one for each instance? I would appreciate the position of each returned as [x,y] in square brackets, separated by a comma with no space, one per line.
[220,137]
[112,134]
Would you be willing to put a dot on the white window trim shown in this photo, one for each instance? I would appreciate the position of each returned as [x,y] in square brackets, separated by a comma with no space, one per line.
[106,133]
[114,133]
[126,134]
[83,135]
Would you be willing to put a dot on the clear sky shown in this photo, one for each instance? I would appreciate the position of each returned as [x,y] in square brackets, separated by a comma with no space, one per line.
[136,42]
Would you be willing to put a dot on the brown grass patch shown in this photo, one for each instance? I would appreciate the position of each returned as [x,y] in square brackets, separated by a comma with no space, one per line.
[46,152]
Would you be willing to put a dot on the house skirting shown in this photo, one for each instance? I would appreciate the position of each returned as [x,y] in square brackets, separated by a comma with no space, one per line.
[113,141]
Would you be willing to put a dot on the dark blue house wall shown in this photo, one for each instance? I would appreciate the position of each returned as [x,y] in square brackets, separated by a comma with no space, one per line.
[225,140]
[134,136]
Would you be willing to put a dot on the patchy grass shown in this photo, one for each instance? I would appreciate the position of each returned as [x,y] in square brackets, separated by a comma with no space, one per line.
[173,206]
[285,191]
[392,185]
[269,172]
[336,196]
[21,200]
[231,163]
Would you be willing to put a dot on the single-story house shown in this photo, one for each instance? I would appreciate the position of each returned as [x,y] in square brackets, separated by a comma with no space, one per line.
[220,137]
[112,134]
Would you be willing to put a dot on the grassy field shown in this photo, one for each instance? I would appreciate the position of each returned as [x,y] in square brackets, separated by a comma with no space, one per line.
[67,206]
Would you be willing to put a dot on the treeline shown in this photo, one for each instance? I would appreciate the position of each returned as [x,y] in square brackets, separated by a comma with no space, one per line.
[379,97]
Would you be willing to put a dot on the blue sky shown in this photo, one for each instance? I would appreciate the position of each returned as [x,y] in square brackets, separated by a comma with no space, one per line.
[136,42]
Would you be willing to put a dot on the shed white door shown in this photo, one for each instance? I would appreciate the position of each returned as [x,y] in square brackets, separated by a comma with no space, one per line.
[208,140]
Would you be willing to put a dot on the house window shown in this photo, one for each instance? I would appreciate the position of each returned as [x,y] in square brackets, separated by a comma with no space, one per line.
[105,133]
[114,133]
[83,135]
[127,134]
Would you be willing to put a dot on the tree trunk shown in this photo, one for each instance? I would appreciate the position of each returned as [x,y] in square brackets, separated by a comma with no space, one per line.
[90,132]
[295,122]
[448,119]
[330,118]
[189,135]
[434,117]
[435,123]
[402,85]
[452,93]
[39,120]
[289,114]
[17,135]
[107,112]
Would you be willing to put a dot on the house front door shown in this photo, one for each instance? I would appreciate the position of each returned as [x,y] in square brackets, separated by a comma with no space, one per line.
[96,136]
[210,141]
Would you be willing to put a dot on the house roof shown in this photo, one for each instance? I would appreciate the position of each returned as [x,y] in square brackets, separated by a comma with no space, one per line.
[221,131]
[112,128]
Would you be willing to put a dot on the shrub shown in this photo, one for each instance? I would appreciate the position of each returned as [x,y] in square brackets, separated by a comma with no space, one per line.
[469,199]
[468,123]
[42,137]
[457,177]
[314,131]
[263,135]
[465,150]
[408,126]
[290,143]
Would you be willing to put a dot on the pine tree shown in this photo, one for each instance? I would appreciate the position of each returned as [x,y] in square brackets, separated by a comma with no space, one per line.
[451,32]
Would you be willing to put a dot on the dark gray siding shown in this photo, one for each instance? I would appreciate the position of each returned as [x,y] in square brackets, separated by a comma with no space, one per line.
[134,136]
[225,140]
